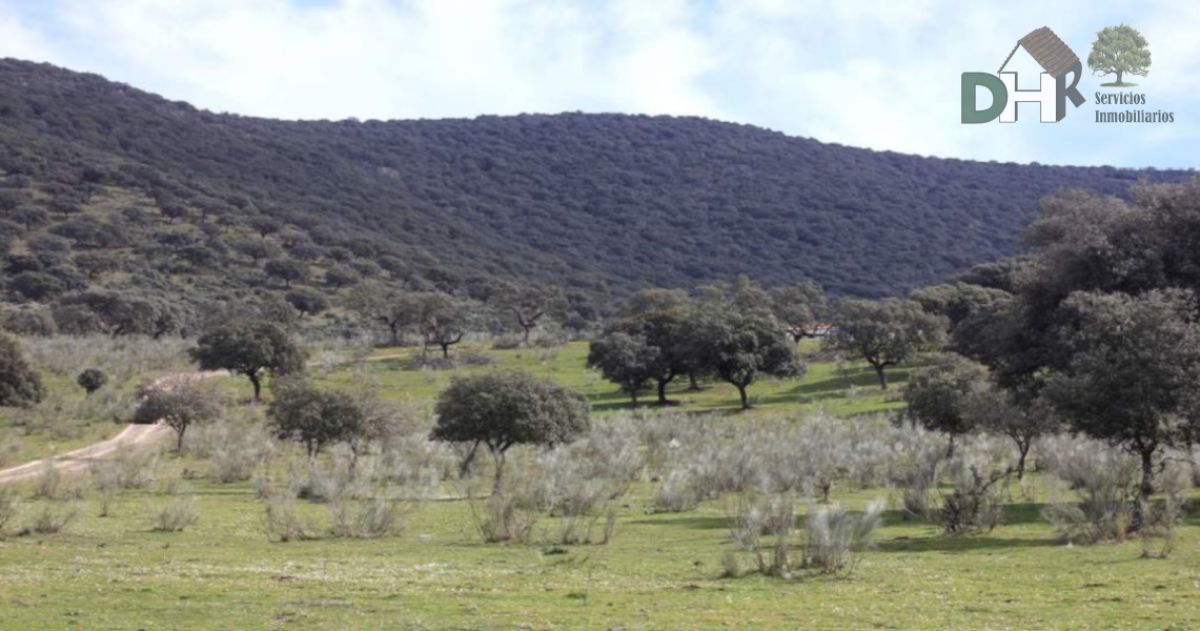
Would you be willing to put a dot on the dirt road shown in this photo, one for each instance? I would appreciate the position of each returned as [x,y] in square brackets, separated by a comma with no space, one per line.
[79,460]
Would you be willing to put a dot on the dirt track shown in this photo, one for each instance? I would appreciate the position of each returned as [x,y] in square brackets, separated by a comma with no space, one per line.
[80,460]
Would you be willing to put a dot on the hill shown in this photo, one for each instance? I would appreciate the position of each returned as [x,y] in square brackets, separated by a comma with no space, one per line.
[108,186]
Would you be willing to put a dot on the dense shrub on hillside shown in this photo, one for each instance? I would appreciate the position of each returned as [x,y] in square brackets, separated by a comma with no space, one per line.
[463,203]
[19,385]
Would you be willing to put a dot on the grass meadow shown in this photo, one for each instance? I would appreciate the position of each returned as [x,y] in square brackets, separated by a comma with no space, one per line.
[659,570]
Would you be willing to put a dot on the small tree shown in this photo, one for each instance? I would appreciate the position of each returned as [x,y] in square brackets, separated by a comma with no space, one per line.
[1119,50]
[374,301]
[307,301]
[526,305]
[442,319]
[738,346]
[249,349]
[886,332]
[287,270]
[312,416]
[801,308]
[91,380]
[181,403]
[503,409]
[1017,415]
[624,359]
[938,395]
[20,385]
[664,318]
[1134,376]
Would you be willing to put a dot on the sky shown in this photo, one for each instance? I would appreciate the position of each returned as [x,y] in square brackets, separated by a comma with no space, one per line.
[883,75]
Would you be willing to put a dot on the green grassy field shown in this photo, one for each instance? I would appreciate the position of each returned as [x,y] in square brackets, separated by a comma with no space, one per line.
[660,571]
[840,389]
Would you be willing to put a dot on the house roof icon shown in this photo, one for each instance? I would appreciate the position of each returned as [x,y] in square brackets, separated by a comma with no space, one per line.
[1055,57]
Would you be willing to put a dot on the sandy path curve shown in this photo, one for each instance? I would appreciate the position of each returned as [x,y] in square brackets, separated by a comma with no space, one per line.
[82,459]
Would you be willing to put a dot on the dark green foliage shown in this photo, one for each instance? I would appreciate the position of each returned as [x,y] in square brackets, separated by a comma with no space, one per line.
[738,340]
[801,308]
[502,409]
[441,319]
[939,396]
[522,306]
[91,380]
[886,332]
[287,270]
[1133,377]
[249,349]
[313,416]
[664,318]
[27,320]
[30,285]
[624,359]
[20,385]
[180,403]
[114,313]
[307,301]
[673,202]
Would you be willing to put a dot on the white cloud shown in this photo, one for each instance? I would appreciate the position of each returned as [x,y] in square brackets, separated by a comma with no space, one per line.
[17,39]
[876,74]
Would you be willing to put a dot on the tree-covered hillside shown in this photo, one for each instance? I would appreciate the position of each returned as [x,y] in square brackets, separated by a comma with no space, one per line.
[105,186]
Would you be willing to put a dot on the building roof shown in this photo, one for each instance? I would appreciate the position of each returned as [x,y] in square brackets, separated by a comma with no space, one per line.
[1048,50]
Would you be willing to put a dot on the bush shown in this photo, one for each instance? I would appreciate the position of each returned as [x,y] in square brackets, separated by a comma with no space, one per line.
[10,508]
[974,505]
[181,403]
[1105,488]
[834,536]
[373,517]
[91,380]
[51,520]
[48,481]
[20,386]
[176,516]
[282,521]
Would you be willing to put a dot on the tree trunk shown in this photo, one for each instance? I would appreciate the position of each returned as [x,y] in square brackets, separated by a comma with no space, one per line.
[742,393]
[1120,74]
[395,329]
[1023,448]
[256,381]
[465,467]
[693,383]
[633,395]
[879,370]
[950,447]
[1147,486]
[179,439]
[445,351]
[662,391]
[526,328]
[498,456]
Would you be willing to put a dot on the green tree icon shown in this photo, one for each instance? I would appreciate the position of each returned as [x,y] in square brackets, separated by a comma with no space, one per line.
[1119,50]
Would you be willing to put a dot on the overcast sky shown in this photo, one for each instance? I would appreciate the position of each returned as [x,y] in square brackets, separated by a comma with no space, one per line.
[883,74]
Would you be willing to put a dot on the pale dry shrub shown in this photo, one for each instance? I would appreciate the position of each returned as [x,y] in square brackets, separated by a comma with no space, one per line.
[176,515]
[975,504]
[283,522]
[10,508]
[834,536]
[49,481]
[234,450]
[1105,487]
[52,519]
[369,518]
